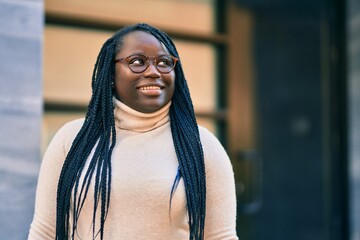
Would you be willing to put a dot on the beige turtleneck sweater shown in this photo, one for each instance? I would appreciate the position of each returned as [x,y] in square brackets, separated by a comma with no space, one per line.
[144,166]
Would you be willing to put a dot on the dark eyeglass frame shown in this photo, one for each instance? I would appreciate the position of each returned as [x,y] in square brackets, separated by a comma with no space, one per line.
[147,62]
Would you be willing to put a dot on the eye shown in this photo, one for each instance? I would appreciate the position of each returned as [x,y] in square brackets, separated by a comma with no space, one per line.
[137,60]
[165,61]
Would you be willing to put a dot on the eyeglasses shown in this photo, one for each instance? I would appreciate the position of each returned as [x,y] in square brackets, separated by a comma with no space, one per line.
[139,63]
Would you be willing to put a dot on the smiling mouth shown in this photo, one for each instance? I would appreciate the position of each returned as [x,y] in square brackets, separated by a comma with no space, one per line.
[151,88]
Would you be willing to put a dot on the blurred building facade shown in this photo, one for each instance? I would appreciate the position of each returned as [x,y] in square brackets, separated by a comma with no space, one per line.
[21,112]
[276,80]
[353,98]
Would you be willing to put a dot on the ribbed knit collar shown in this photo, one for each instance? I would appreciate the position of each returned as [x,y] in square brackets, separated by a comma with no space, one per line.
[129,119]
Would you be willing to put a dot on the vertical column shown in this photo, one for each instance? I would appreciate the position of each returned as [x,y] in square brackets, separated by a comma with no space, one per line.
[21,29]
[353,28]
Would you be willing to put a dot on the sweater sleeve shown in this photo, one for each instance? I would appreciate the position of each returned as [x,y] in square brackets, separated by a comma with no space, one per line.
[43,225]
[220,221]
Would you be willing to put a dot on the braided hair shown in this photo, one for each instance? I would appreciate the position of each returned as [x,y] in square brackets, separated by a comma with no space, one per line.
[97,136]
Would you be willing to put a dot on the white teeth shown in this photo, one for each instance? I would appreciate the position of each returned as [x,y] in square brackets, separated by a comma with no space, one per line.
[150,88]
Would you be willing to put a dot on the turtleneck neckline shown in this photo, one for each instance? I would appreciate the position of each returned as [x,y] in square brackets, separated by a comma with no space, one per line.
[129,119]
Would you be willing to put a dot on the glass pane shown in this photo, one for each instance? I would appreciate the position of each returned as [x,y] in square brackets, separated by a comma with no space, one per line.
[69,58]
[167,14]
[198,60]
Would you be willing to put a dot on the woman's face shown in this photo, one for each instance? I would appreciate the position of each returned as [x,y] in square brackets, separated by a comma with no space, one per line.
[150,90]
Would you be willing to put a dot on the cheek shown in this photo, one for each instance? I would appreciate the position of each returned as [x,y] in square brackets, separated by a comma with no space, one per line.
[117,91]
[123,77]
[120,84]
[172,79]
[172,83]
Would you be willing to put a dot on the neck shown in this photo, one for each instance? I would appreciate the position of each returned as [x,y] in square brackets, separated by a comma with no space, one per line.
[129,119]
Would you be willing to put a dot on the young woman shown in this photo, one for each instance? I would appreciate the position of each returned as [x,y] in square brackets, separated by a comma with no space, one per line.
[138,166]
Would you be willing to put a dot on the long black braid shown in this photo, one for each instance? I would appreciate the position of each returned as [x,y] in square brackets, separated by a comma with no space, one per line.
[97,137]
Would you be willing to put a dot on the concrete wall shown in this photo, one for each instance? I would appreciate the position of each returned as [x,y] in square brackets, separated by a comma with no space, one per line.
[353,23]
[21,29]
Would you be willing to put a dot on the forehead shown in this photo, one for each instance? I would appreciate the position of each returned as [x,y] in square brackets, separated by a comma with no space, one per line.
[142,42]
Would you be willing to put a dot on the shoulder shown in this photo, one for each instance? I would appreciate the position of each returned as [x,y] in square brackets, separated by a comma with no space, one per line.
[67,133]
[218,167]
[207,137]
[59,146]
[209,141]
[72,126]
[214,153]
